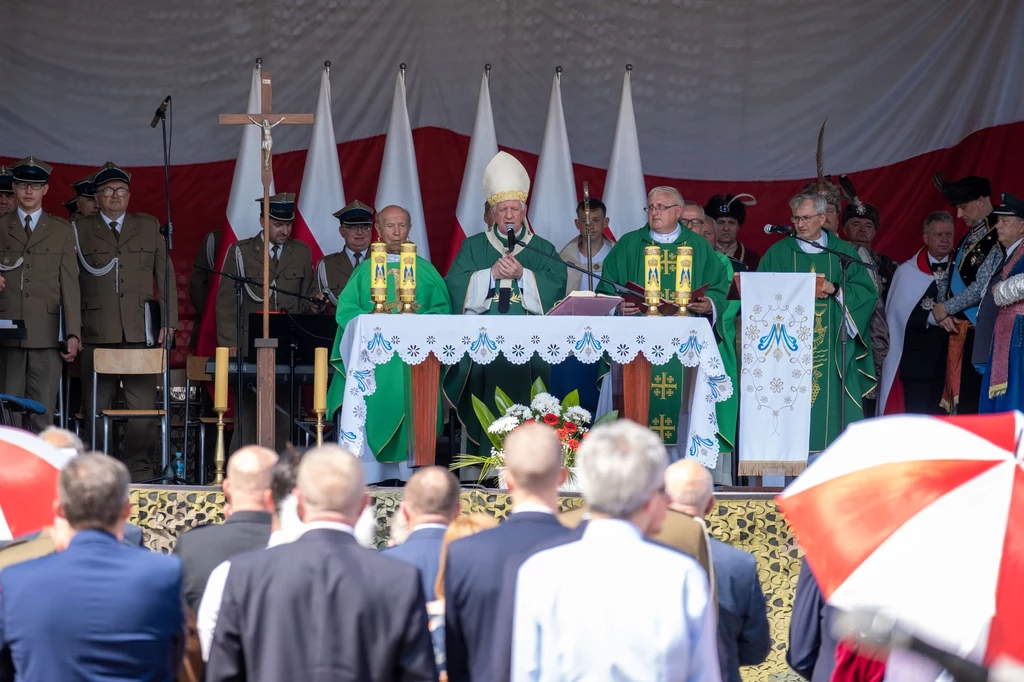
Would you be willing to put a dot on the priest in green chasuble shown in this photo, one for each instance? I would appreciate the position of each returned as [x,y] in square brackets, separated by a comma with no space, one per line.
[790,255]
[670,224]
[487,278]
[388,427]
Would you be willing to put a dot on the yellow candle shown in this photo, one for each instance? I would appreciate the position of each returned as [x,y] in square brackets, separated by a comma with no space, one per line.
[684,269]
[408,278]
[379,260]
[220,383]
[652,263]
[320,380]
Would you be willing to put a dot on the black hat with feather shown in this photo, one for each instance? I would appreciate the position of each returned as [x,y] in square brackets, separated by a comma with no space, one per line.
[856,208]
[729,206]
[823,185]
[963,190]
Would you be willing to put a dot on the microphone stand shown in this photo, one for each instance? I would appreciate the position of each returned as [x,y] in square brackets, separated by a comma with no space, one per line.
[168,475]
[618,288]
[844,336]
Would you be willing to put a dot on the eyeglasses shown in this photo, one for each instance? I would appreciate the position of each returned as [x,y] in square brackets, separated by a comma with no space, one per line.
[110,191]
[357,228]
[658,208]
[801,219]
[693,222]
[29,185]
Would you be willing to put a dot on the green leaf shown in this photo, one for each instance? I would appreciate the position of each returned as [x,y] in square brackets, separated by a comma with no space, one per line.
[571,400]
[487,465]
[607,418]
[484,416]
[502,400]
[538,387]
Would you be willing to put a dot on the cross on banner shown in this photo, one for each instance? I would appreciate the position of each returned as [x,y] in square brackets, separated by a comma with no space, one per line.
[266,119]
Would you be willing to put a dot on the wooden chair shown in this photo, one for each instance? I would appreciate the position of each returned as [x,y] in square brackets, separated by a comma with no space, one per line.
[124,361]
[195,373]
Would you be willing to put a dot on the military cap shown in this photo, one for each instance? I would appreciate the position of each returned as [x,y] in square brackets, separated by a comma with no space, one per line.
[85,187]
[71,205]
[1010,205]
[6,181]
[110,172]
[282,207]
[861,210]
[728,206]
[963,190]
[355,213]
[31,169]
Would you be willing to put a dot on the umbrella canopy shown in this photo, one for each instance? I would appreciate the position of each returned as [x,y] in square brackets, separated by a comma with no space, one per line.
[28,482]
[923,518]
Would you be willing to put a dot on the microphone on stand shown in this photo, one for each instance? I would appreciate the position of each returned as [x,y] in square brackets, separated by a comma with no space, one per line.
[778,229]
[510,233]
[505,293]
[161,111]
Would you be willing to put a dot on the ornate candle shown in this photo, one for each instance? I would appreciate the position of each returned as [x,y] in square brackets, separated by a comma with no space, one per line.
[652,278]
[684,281]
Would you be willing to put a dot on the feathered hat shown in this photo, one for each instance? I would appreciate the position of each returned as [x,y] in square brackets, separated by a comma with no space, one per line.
[823,185]
[729,206]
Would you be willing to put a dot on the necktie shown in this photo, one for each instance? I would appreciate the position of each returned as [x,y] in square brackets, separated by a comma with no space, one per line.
[938,268]
[359,258]
[28,227]
[113,230]
[274,253]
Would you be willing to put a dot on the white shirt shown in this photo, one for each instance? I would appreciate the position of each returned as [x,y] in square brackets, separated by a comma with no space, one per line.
[352,255]
[1013,247]
[275,249]
[666,238]
[35,217]
[423,526]
[640,610]
[120,221]
[532,507]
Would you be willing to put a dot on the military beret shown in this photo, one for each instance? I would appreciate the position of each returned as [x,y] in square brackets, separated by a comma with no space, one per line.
[282,207]
[1010,205]
[110,172]
[965,189]
[355,213]
[861,210]
[31,169]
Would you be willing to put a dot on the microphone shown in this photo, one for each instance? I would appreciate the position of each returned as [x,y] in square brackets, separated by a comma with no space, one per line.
[778,229]
[510,233]
[160,111]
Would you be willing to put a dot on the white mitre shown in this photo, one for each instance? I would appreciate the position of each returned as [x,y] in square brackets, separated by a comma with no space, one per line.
[505,179]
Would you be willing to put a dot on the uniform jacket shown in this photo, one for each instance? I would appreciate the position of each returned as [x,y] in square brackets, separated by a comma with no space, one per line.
[48,274]
[336,268]
[114,303]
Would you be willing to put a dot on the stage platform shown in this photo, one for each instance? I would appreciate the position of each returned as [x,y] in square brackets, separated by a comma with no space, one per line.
[749,521]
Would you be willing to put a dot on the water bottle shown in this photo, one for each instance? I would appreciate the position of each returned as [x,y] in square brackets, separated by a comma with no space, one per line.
[179,466]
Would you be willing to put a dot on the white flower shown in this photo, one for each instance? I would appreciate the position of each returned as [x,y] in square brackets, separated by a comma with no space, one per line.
[545,402]
[520,412]
[503,425]
[577,415]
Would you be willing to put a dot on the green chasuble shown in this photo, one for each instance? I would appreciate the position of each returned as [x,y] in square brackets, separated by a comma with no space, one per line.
[727,411]
[473,293]
[387,429]
[625,264]
[787,256]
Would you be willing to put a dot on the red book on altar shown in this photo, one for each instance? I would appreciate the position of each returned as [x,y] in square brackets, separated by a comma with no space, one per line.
[586,303]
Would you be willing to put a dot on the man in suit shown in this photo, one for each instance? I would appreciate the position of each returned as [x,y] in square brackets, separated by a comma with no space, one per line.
[291,269]
[97,610]
[322,607]
[249,506]
[199,280]
[474,576]
[122,256]
[40,283]
[334,270]
[812,646]
[429,503]
[743,633]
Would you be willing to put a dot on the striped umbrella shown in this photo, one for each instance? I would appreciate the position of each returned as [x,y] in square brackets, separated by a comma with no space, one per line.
[28,482]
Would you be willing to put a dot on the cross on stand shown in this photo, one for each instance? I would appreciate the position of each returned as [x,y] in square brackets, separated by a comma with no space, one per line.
[266,376]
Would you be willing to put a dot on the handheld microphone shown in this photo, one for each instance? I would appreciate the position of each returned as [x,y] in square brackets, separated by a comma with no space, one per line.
[510,233]
[160,111]
[778,229]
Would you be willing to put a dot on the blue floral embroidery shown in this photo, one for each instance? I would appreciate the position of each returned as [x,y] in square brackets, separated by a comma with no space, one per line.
[715,385]
[362,377]
[698,443]
[588,341]
[348,436]
[691,344]
[777,335]
[483,342]
[378,341]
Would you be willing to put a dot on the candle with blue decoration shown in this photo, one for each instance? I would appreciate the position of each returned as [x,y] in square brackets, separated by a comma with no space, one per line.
[652,279]
[407,279]
[684,280]
[378,275]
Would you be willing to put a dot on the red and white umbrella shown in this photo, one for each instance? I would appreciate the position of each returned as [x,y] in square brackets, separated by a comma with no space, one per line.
[923,518]
[28,482]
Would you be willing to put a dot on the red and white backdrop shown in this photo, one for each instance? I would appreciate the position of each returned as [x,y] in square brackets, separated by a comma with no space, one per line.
[727,96]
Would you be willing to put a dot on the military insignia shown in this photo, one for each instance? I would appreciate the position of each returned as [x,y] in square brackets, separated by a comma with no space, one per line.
[861,210]
[927,303]
[974,259]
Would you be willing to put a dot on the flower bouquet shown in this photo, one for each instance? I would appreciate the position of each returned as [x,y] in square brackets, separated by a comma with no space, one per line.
[570,421]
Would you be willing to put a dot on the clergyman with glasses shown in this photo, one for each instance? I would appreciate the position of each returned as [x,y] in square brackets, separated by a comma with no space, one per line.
[669,225]
[809,218]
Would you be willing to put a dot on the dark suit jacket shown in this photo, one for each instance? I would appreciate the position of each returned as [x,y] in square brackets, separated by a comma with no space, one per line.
[472,586]
[743,634]
[321,608]
[203,548]
[812,648]
[98,610]
[422,549]
[924,346]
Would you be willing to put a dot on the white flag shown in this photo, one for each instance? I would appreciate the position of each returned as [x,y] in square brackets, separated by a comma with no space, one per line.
[553,202]
[625,193]
[399,179]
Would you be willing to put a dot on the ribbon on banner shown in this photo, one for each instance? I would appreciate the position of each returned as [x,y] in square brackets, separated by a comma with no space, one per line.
[776,367]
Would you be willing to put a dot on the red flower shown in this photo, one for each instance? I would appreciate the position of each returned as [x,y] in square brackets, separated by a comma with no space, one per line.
[573,444]
[550,419]
[570,427]
[560,433]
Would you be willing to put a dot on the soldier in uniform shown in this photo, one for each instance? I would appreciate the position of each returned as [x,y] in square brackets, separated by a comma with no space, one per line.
[199,280]
[85,198]
[122,255]
[333,271]
[40,278]
[291,268]
[7,201]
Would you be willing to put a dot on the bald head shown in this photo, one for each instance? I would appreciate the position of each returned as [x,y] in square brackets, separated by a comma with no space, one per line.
[431,496]
[331,485]
[248,478]
[533,459]
[689,487]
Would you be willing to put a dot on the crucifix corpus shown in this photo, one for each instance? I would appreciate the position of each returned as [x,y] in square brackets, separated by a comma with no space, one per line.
[266,376]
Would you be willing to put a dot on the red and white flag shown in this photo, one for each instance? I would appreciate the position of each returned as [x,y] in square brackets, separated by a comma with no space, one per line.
[322,192]
[399,178]
[483,146]
[553,202]
[625,193]
[243,212]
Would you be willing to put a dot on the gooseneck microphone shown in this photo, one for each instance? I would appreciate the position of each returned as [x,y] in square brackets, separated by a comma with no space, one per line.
[778,229]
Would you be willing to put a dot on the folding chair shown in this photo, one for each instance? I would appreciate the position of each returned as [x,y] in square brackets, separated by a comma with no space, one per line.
[124,361]
[196,376]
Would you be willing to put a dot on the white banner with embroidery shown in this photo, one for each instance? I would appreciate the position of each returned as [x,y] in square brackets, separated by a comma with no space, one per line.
[776,366]
[371,340]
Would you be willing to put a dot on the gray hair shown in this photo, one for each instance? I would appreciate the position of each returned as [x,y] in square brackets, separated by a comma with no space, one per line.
[93,490]
[819,201]
[669,190]
[621,465]
[331,479]
[62,439]
[937,217]
[689,484]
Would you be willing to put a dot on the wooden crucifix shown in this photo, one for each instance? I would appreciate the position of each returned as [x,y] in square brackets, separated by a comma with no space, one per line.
[266,376]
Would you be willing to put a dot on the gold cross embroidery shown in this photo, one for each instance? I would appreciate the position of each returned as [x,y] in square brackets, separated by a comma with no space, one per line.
[664,386]
[664,426]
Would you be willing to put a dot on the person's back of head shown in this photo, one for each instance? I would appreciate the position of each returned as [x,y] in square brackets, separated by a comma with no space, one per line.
[331,486]
[431,496]
[463,526]
[689,487]
[247,483]
[283,476]
[62,439]
[621,474]
[92,493]
[533,465]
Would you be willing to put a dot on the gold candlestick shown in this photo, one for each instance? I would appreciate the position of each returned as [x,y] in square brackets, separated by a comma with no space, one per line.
[219,459]
[652,279]
[378,276]
[684,280]
[407,278]
[319,427]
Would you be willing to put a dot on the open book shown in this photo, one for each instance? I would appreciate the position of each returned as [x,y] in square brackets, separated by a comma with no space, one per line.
[586,303]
